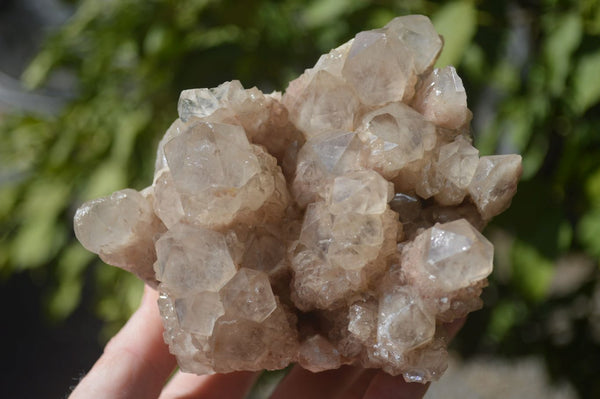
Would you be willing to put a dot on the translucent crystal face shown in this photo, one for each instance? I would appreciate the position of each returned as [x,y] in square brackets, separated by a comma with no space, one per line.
[99,224]
[210,156]
[326,103]
[396,135]
[336,151]
[191,259]
[249,295]
[238,341]
[363,192]
[355,240]
[377,78]
[204,102]
[334,224]
[495,183]
[457,162]
[419,35]
[317,354]
[198,312]
[321,159]
[442,99]
[456,255]
[362,320]
[403,324]
[121,229]
[456,165]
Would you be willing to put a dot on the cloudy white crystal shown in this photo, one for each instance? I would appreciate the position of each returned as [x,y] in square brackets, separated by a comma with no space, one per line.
[193,259]
[396,136]
[442,99]
[121,228]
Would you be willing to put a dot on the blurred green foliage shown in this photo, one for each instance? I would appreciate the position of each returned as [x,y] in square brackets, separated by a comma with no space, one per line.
[532,72]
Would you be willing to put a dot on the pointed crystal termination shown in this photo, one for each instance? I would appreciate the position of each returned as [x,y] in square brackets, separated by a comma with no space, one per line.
[495,183]
[198,312]
[364,192]
[456,165]
[121,228]
[442,99]
[321,159]
[317,354]
[335,224]
[448,257]
[362,320]
[403,323]
[248,295]
[257,113]
[337,255]
[213,175]
[397,136]
[324,103]
[192,259]
[419,35]
[376,78]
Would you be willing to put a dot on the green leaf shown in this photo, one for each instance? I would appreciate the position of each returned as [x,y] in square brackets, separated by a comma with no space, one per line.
[64,300]
[108,177]
[8,200]
[36,243]
[504,317]
[516,121]
[38,70]
[505,76]
[564,36]
[41,235]
[45,198]
[457,23]
[73,261]
[592,188]
[532,272]
[474,62]
[130,125]
[201,40]
[588,231]
[325,12]
[586,85]
[534,157]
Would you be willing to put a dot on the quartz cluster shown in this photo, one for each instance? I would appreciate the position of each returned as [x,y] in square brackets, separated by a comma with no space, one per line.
[335,224]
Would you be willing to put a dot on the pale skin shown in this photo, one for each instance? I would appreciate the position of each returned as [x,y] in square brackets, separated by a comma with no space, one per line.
[136,363]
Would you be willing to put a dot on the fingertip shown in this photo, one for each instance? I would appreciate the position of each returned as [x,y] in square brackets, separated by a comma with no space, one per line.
[301,383]
[385,386]
[234,385]
[136,362]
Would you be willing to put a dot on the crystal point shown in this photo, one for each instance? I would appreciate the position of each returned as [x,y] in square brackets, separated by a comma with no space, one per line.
[403,324]
[376,69]
[249,295]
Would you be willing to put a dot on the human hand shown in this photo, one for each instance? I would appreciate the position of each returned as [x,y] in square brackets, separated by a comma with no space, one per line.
[136,363]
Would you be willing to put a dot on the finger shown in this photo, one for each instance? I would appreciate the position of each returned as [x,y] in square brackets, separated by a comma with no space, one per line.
[385,386]
[135,362]
[217,386]
[453,327]
[357,389]
[301,383]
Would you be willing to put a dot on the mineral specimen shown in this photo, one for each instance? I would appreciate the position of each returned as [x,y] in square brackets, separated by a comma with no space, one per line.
[336,224]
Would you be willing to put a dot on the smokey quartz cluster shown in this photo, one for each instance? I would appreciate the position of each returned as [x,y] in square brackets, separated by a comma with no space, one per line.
[336,224]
